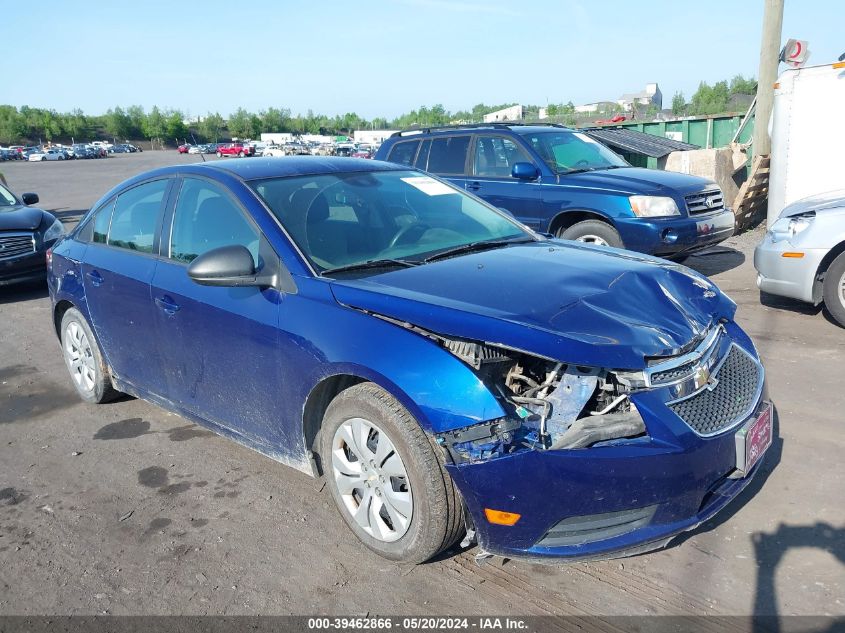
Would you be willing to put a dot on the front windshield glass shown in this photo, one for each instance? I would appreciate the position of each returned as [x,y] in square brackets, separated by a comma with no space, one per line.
[339,220]
[6,198]
[573,151]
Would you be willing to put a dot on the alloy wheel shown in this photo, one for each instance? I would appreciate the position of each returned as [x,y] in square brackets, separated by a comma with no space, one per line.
[842,290]
[592,239]
[372,480]
[79,356]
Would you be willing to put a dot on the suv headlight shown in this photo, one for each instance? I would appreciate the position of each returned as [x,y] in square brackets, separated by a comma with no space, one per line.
[56,230]
[653,206]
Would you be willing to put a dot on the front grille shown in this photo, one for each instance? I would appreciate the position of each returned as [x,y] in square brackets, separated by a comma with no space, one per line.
[16,244]
[710,411]
[708,201]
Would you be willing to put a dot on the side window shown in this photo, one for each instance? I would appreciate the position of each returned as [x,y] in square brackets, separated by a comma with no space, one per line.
[135,217]
[403,153]
[496,155]
[422,157]
[448,155]
[100,223]
[206,218]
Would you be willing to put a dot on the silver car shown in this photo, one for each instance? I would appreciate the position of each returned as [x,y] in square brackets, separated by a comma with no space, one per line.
[802,255]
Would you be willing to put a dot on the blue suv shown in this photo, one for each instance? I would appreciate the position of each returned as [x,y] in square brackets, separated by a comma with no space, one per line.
[562,181]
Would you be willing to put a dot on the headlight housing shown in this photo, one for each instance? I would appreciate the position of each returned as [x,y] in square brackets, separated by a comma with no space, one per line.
[788,228]
[56,230]
[653,206]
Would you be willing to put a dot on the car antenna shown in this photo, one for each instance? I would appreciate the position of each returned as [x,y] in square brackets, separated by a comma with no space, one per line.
[202,154]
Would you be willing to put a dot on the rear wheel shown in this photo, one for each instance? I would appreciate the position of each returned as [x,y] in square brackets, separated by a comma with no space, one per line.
[592,232]
[834,289]
[387,478]
[240,154]
[219,154]
[84,361]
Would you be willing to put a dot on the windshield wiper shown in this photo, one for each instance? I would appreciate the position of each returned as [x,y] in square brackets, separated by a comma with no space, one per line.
[476,246]
[373,263]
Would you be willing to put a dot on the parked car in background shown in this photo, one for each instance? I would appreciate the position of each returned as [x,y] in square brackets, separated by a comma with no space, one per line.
[46,154]
[273,150]
[235,149]
[196,149]
[121,149]
[26,234]
[561,181]
[183,149]
[442,365]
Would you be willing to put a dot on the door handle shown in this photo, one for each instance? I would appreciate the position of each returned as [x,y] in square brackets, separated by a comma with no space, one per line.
[166,304]
[95,277]
[473,186]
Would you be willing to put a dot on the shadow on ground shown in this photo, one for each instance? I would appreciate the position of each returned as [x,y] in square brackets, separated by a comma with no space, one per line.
[23,292]
[715,260]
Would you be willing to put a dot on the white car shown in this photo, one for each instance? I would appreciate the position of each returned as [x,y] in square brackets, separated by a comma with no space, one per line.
[273,150]
[195,149]
[50,154]
[802,255]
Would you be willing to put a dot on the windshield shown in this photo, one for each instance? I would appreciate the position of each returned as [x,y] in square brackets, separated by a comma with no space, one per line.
[573,151]
[340,220]
[6,198]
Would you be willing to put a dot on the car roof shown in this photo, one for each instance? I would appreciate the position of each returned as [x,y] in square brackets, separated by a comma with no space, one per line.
[517,128]
[258,168]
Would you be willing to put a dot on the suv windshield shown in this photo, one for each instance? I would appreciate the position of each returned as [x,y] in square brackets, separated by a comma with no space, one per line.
[396,217]
[566,152]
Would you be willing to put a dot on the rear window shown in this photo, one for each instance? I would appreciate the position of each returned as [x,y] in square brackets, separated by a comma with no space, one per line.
[403,153]
[448,155]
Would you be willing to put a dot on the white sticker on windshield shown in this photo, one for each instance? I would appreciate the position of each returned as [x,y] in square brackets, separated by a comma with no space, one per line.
[584,137]
[429,185]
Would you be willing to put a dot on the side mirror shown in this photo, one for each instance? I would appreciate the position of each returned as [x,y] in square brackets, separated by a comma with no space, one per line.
[227,266]
[29,198]
[524,171]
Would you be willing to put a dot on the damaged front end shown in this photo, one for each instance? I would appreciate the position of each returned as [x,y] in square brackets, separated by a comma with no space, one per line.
[551,405]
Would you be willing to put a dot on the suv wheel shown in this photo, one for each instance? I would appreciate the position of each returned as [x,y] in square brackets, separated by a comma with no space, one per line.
[593,232]
[834,289]
[387,478]
[219,154]
[241,154]
[84,360]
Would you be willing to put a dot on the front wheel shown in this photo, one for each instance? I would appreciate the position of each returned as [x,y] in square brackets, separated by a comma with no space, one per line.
[84,360]
[219,154]
[834,289]
[240,154]
[387,478]
[593,232]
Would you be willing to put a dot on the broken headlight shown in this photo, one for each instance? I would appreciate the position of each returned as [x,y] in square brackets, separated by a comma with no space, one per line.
[551,405]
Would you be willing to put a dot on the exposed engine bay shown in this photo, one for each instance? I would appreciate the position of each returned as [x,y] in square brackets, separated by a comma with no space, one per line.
[554,405]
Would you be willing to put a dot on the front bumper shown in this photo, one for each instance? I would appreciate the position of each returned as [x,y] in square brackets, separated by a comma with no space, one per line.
[791,277]
[676,235]
[30,267]
[624,497]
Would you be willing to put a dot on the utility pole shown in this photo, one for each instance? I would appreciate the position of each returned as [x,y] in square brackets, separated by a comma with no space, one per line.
[770,46]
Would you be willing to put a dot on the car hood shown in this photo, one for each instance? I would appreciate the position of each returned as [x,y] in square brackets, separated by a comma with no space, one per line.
[637,181]
[20,218]
[573,303]
[819,202]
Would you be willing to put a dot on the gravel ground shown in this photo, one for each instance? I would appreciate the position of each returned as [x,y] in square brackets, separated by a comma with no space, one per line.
[127,509]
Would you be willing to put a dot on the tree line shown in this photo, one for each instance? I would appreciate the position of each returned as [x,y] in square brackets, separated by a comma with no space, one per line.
[167,125]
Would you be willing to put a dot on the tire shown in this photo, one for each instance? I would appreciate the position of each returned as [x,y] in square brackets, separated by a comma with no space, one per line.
[834,289]
[432,519]
[90,378]
[592,232]
[219,154]
[240,154]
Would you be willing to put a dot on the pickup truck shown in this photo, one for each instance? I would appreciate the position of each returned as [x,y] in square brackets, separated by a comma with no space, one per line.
[235,149]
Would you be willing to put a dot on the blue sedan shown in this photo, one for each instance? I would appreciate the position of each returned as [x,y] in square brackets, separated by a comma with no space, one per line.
[447,370]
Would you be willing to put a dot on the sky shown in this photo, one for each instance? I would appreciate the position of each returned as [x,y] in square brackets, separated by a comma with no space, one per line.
[384,57]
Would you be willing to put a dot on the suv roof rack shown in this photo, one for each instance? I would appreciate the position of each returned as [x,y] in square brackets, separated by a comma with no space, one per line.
[468,126]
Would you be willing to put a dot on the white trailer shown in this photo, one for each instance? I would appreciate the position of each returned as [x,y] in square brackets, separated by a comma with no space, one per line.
[808,135]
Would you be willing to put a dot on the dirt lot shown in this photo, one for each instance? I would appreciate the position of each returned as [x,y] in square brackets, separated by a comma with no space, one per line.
[127,509]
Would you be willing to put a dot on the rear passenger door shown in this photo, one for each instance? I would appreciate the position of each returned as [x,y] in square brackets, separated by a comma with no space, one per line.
[117,271]
[447,157]
[493,157]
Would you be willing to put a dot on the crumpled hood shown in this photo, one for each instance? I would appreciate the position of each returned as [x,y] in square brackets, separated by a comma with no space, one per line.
[638,181]
[571,302]
[20,218]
